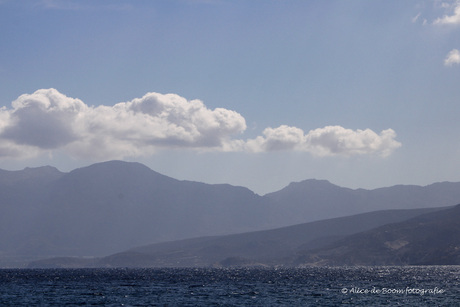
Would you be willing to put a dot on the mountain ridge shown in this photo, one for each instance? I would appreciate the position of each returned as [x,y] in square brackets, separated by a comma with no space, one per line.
[274,247]
[115,205]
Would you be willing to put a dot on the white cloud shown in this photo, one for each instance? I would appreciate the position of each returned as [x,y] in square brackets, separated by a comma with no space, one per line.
[43,119]
[159,121]
[335,140]
[453,19]
[453,57]
[414,19]
[281,138]
[327,141]
[48,121]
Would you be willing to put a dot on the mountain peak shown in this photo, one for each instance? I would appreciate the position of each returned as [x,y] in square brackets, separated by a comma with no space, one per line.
[41,169]
[310,184]
[116,174]
[117,167]
[44,173]
[314,181]
[116,163]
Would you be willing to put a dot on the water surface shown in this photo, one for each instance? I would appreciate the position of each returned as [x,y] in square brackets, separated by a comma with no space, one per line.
[361,286]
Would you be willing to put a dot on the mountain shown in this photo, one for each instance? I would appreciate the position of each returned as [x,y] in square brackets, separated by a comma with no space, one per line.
[319,199]
[270,247]
[429,239]
[113,206]
[21,195]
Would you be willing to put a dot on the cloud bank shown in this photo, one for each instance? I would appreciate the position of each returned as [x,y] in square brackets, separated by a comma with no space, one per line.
[48,121]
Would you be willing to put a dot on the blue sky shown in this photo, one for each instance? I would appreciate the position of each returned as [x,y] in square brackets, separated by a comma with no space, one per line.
[253,93]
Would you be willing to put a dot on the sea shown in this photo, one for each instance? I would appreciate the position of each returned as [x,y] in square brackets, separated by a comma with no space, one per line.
[318,286]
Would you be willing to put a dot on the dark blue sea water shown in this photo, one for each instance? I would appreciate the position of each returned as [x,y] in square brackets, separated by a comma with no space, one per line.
[356,286]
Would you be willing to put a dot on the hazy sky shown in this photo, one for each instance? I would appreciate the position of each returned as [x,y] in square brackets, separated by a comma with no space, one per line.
[252,93]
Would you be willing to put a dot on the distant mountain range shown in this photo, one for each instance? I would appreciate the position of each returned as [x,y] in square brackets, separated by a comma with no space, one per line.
[299,245]
[113,206]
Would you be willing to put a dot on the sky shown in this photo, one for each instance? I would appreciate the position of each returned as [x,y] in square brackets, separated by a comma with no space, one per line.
[259,93]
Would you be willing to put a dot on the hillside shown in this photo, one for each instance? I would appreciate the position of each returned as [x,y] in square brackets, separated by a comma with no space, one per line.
[270,247]
[429,239]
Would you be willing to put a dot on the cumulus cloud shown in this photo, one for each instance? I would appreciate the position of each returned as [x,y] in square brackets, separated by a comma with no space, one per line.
[48,120]
[453,19]
[281,138]
[333,140]
[327,141]
[43,119]
[453,57]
